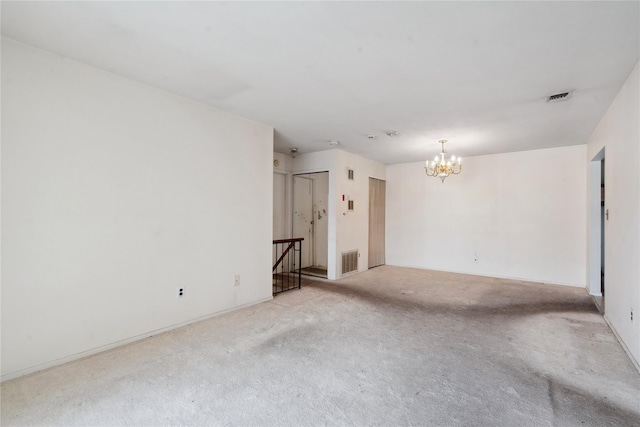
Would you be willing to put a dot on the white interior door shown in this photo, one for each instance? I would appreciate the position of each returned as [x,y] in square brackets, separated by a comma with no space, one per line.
[320,219]
[279,206]
[303,216]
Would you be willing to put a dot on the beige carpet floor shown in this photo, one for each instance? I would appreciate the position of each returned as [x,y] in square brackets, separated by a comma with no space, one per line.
[392,346]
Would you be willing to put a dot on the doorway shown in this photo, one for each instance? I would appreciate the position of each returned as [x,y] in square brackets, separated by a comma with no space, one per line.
[598,214]
[310,221]
[603,217]
[377,196]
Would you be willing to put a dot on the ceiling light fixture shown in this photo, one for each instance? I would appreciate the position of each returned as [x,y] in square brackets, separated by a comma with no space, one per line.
[392,133]
[334,142]
[294,152]
[441,167]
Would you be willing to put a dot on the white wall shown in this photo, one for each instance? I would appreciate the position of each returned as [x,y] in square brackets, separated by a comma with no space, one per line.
[114,195]
[282,201]
[347,230]
[619,134]
[353,227]
[285,163]
[522,213]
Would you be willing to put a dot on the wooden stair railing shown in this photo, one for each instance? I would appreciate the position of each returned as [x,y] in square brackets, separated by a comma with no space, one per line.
[288,267]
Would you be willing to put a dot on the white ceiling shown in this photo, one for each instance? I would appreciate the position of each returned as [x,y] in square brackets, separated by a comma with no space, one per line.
[474,73]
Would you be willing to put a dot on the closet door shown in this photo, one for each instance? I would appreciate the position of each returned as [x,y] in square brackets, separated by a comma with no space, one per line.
[377,191]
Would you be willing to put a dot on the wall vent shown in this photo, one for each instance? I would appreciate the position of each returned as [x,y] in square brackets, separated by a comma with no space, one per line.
[563,96]
[349,261]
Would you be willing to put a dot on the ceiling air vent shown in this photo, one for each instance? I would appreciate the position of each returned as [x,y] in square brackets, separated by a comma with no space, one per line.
[563,96]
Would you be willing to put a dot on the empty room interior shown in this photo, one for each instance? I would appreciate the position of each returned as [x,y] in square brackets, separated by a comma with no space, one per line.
[320,213]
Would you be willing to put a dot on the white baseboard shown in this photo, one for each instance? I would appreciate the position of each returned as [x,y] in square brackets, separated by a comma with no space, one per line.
[71,358]
[635,362]
[471,273]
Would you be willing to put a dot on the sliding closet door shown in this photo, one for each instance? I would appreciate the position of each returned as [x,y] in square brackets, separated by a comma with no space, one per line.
[377,190]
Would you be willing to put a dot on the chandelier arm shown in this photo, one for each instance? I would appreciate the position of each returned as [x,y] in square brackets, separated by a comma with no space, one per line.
[442,168]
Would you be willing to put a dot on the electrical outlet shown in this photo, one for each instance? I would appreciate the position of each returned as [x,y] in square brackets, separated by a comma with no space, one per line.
[180,292]
[236,280]
[475,257]
[631,314]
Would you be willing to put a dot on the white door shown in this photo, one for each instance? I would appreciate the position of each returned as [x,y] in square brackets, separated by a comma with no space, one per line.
[320,219]
[279,206]
[303,217]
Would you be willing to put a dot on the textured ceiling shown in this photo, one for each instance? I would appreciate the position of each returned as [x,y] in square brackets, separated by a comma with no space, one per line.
[474,73]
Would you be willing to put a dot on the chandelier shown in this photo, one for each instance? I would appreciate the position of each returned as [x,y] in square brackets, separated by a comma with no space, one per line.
[441,167]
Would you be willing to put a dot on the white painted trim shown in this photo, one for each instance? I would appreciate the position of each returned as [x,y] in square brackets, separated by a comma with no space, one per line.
[594,225]
[307,171]
[73,357]
[522,279]
[635,363]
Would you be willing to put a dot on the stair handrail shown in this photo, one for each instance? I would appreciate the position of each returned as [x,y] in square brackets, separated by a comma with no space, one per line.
[291,242]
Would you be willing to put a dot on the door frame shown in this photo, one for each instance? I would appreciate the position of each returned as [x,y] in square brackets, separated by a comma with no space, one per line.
[312,243]
[307,243]
[369,251]
[595,263]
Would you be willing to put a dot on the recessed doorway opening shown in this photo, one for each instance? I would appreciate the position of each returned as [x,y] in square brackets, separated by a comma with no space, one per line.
[377,197]
[598,216]
[311,222]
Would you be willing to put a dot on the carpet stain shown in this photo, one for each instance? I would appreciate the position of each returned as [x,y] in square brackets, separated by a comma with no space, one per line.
[391,346]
